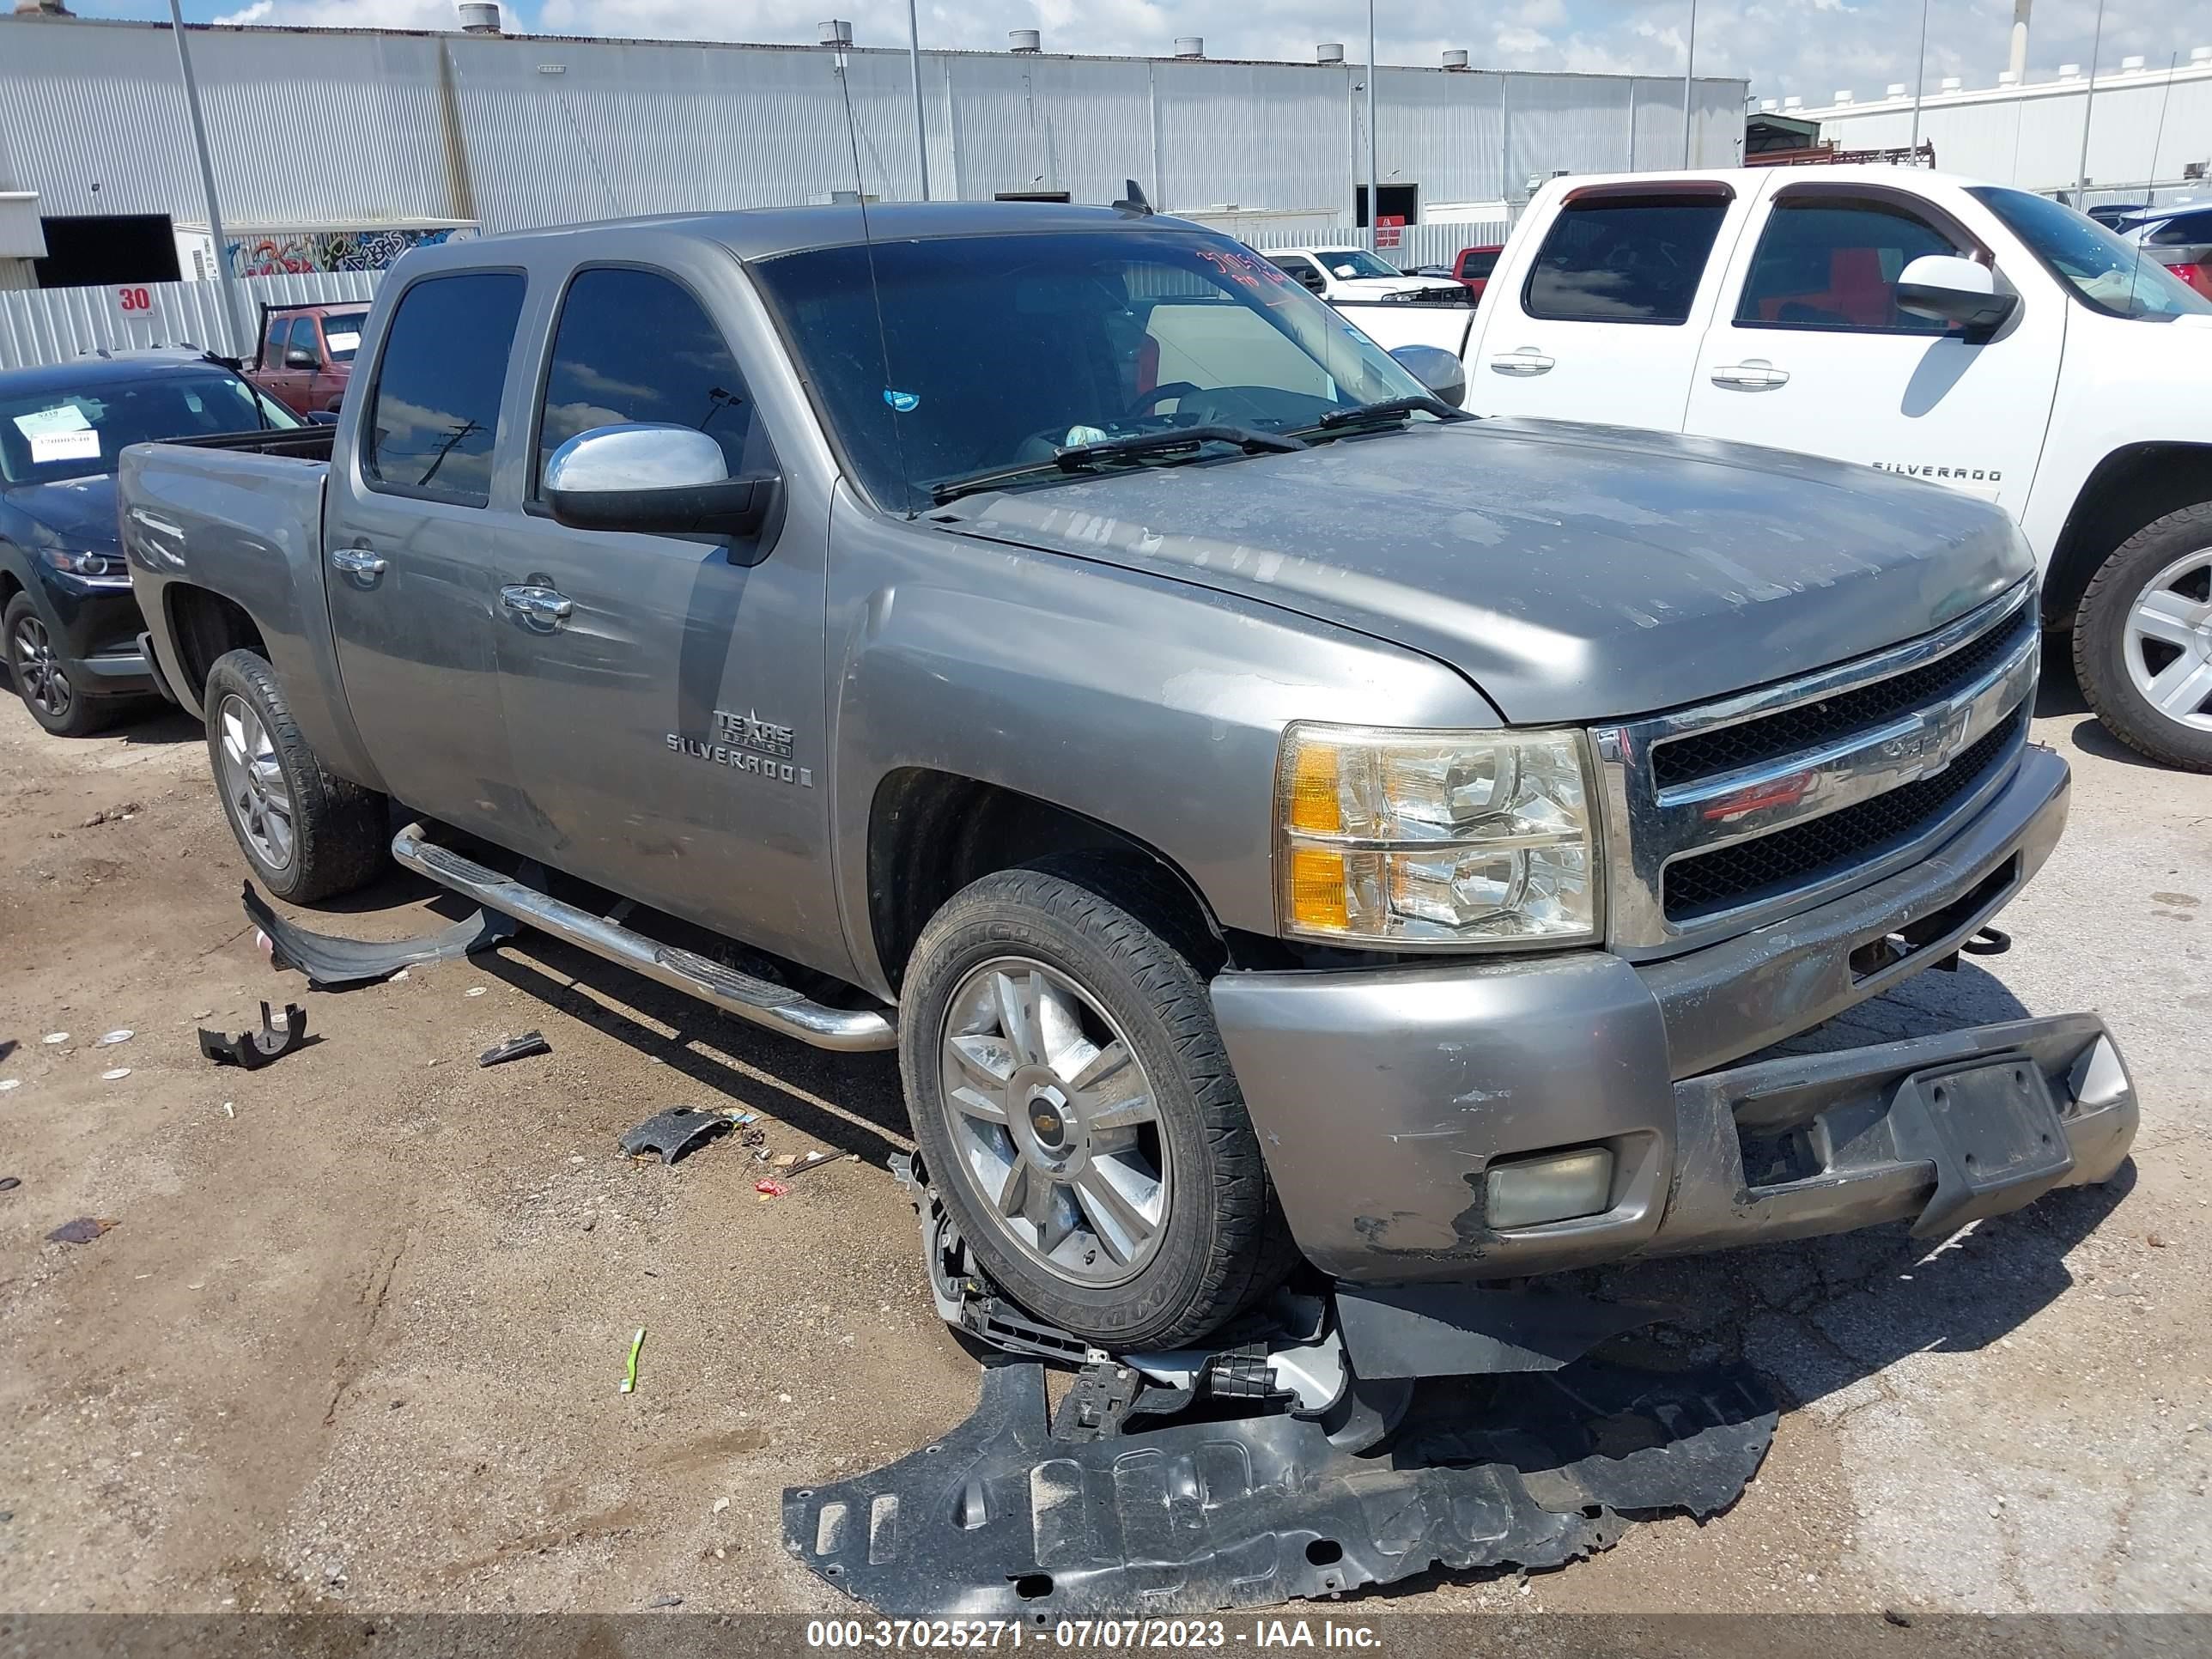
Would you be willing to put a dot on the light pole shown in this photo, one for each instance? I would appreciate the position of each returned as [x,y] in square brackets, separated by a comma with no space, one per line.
[1374,176]
[242,336]
[1920,75]
[1689,69]
[914,66]
[2088,103]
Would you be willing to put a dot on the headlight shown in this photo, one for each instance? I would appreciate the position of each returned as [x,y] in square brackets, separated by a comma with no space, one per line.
[1435,837]
[93,566]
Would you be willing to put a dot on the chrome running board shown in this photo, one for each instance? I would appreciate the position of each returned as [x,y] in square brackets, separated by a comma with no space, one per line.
[777,1008]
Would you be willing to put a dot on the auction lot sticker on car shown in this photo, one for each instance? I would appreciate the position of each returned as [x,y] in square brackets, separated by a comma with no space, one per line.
[59,434]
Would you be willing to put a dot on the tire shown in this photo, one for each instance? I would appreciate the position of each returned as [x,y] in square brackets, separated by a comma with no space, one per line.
[39,679]
[331,838]
[1091,937]
[2145,626]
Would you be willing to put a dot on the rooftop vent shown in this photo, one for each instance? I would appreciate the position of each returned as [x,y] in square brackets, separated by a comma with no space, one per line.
[836,31]
[2007,78]
[2131,66]
[1455,58]
[1844,96]
[1190,45]
[2069,71]
[1793,102]
[1329,51]
[1897,89]
[479,16]
[2200,55]
[1025,41]
[1770,105]
[1952,83]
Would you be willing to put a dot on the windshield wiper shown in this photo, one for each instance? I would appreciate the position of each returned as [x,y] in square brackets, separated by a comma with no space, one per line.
[1390,409]
[1078,458]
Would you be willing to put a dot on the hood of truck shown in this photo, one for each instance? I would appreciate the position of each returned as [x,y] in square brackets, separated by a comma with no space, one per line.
[1376,288]
[1572,573]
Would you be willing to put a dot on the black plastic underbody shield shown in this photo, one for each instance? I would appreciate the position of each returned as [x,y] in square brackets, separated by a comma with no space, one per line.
[998,1519]
[332,963]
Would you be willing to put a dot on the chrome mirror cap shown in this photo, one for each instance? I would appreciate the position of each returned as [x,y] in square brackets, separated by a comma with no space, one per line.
[655,456]
[1440,371]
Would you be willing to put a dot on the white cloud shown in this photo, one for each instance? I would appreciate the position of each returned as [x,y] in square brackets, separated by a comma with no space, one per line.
[347,14]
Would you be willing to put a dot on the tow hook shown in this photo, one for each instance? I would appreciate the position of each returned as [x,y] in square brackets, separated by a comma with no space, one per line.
[1989,941]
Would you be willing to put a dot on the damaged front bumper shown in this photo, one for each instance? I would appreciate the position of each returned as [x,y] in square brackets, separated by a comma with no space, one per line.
[1383,1098]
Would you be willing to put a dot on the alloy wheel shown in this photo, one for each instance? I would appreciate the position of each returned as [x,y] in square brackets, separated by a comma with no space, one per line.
[38,673]
[2168,642]
[253,783]
[1055,1122]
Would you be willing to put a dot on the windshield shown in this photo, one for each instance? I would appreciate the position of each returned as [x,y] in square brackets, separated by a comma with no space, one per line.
[1002,350]
[57,435]
[2104,271]
[342,333]
[1356,261]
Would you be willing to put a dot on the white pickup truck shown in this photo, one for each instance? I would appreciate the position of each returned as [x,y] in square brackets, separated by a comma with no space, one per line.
[1983,338]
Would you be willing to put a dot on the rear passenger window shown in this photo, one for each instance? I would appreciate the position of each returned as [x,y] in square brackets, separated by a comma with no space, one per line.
[633,346]
[436,408]
[1828,264]
[1624,259]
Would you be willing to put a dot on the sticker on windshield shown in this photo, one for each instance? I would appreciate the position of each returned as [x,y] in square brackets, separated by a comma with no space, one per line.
[342,342]
[81,445]
[905,402]
[66,417]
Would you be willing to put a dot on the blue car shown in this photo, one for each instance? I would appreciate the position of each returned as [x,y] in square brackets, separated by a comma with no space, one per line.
[69,625]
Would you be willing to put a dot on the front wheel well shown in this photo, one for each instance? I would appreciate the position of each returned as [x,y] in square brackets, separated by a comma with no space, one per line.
[2131,488]
[205,625]
[931,833]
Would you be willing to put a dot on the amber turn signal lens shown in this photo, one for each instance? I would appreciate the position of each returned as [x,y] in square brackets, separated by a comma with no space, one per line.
[1317,896]
[1315,807]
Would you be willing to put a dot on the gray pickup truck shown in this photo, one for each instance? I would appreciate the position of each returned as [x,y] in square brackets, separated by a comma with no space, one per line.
[1270,813]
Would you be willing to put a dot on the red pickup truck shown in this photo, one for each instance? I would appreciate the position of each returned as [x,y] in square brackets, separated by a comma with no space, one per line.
[306,354]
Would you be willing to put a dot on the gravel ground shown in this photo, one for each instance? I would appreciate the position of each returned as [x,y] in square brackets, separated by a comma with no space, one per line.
[355,1338]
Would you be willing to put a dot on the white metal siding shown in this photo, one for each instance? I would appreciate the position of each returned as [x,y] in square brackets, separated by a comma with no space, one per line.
[52,325]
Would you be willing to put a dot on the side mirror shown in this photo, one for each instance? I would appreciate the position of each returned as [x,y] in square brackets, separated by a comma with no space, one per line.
[1955,291]
[653,480]
[1439,370]
[322,418]
[300,357]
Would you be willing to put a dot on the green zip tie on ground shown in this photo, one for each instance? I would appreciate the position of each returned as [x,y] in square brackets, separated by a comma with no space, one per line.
[629,1371]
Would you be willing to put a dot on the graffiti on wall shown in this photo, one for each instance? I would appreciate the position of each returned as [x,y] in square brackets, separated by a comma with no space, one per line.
[277,253]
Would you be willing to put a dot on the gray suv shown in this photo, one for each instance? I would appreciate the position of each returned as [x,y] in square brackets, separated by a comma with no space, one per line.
[1270,813]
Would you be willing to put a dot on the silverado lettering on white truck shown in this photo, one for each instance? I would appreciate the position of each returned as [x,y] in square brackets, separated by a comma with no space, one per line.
[1270,814]
[1979,336]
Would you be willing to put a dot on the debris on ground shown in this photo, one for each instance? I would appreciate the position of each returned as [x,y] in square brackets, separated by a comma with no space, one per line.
[629,1371]
[332,963]
[83,1231]
[9,1083]
[127,810]
[474,991]
[109,1039]
[521,1047]
[769,1186]
[53,1037]
[115,1074]
[8,1183]
[666,1602]
[754,1135]
[674,1133]
[254,1049]
[814,1161]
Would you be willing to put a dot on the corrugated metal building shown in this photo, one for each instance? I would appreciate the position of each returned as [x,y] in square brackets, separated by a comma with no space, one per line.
[328,127]
[2147,122]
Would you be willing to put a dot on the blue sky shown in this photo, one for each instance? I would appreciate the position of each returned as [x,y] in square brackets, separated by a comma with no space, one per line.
[1810,47]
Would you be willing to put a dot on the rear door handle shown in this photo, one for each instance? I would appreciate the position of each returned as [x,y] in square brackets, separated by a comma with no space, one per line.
[1753,375]
[1527,360]
[541,607]
[357,562]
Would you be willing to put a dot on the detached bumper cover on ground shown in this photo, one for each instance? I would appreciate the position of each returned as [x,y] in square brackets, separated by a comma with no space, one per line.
[1382,1097]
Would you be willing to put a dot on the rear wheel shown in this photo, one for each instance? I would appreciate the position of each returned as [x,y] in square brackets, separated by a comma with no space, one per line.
[2142,639]
[1077,1112]
[42,679]
[308,835]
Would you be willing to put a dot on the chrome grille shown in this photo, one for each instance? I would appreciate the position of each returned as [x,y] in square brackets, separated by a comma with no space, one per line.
[1733,814]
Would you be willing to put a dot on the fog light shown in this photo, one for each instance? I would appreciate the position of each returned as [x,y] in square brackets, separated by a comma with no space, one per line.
[1556,1186]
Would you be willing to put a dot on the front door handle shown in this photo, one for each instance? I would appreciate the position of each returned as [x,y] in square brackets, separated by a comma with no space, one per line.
[357,562]
[1753,375]
[1526,360]
[541,607]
